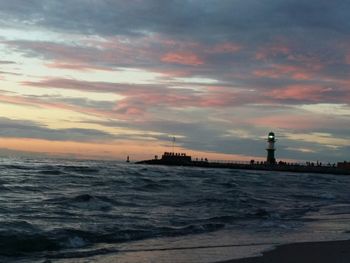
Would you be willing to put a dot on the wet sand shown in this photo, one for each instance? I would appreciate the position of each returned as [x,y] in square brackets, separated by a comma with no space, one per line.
[311,252]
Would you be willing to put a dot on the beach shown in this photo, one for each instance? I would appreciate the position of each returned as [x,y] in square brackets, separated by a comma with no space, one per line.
[309,252]
[304,252]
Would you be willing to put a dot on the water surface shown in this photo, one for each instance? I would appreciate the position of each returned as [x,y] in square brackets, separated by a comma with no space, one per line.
[64,210]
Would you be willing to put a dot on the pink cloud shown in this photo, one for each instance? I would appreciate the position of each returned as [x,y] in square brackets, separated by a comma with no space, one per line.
[173,73]
[347,58]
[103,55]
[285,60]
[297,121]
[308,62]
[301,76]
[183,58]
[302,92]
[172,44]
[147,52]
[139,99]
[163,98]
[276,71]
[272,51]
[226,48]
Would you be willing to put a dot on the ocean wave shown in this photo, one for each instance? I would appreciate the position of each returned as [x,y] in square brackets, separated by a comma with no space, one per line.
[22,244]
[4,188]
[17,167]
[13,244]
[54,205]
[51,172]
[84,201]
[80,169]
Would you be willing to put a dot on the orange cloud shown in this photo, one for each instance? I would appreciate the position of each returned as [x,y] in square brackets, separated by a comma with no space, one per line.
[83,150]
[183,58]
[34,102]
[117,150]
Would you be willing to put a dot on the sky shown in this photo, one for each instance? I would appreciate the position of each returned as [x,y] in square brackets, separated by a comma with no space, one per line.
[104,79]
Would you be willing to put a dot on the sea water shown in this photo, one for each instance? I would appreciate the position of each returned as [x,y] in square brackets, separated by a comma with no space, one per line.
[104,211]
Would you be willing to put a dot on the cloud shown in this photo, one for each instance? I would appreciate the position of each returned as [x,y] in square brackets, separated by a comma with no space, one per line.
[284,71]
[37,102]
[307,93]
[6,62]
[28,129]
[224,66]
[300,122]
[207,96]
[151,95]
[156,53]
[182,58]
[179,17]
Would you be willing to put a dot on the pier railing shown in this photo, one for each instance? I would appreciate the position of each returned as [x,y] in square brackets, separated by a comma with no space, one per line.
[229,162]
[195,159]
[263,163]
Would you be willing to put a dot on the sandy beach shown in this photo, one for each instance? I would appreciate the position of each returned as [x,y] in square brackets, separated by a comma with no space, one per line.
[310,252]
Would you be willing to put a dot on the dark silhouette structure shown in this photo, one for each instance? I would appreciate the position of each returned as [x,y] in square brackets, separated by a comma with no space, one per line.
[271,149]
[176,158]
[344,165]
[171,158]
[181,159]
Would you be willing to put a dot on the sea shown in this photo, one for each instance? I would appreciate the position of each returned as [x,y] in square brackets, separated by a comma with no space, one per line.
[56,210]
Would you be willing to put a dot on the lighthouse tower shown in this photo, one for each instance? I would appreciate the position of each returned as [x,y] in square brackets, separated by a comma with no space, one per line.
[271,149]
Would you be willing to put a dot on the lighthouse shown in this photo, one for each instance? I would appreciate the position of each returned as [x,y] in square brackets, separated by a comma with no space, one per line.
[271,149]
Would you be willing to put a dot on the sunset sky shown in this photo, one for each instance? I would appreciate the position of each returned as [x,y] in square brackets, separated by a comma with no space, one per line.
[109,78]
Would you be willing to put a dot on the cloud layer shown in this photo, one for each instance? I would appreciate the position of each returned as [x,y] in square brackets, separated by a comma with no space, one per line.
[218,75]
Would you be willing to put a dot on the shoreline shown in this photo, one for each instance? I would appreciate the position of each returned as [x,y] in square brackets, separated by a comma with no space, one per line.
[306,252]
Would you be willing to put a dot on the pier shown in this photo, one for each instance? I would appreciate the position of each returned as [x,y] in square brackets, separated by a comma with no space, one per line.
[182,159]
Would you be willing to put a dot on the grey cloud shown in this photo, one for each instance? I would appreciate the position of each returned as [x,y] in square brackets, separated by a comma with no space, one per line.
[6,62]
[209,136]
[214,136]
[5,152]
[29,129]
[80,102]
[318,152]
[202,17]
[100,105]
[10,73]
